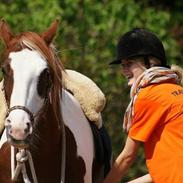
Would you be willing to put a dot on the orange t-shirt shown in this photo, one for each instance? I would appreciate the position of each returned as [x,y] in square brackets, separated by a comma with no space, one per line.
[158,122]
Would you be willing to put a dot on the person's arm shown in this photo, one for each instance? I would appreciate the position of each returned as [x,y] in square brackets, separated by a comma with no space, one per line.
[123,161]
[144,179]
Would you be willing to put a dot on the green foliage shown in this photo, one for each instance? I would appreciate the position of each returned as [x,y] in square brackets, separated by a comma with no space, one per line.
[86,42]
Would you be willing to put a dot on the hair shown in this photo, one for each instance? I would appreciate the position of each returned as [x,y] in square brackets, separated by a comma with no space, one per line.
[179,71]
[153,61]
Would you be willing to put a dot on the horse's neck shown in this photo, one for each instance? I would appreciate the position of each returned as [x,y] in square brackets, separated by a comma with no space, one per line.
[47,132]
[45,146]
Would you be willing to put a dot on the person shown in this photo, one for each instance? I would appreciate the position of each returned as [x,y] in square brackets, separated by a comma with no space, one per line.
[154,116]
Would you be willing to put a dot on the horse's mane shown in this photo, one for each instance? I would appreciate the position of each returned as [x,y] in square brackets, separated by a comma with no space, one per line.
[34,41]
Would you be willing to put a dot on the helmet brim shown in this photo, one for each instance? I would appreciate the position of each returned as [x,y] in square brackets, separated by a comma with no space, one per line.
[115,62]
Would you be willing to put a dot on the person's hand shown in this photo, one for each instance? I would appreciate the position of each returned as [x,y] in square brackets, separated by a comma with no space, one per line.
[144,179]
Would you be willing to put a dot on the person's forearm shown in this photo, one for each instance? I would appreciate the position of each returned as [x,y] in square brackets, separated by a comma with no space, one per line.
[123,161]
[119,168]
[144,179]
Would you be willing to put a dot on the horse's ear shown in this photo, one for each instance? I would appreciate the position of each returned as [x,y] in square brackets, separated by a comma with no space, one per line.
[5,32]
[51,32]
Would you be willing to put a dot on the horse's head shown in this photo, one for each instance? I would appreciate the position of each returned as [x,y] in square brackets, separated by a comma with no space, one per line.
[29,73]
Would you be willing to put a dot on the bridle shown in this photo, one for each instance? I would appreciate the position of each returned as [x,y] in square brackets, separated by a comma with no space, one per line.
[21,108]
[31,115]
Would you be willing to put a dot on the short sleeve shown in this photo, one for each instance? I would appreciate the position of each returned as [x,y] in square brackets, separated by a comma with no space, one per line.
[148,115]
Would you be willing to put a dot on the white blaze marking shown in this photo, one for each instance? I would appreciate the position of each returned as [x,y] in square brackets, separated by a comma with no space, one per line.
[27,66]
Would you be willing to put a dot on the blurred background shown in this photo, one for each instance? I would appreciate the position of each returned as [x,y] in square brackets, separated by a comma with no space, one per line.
[86,40]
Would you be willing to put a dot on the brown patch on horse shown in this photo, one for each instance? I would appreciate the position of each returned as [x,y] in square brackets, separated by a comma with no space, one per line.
[5,167]
[77,172]
[5,172]
[45,147]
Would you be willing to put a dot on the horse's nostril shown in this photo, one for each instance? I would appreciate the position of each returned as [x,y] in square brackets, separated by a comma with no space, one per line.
[8,121]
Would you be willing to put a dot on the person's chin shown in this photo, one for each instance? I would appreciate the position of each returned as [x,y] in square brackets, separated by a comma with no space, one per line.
[130,81]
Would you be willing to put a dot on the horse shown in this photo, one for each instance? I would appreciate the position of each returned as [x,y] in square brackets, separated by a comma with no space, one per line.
[44,121]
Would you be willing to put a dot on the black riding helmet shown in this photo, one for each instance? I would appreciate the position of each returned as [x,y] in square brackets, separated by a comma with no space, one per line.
[140,43]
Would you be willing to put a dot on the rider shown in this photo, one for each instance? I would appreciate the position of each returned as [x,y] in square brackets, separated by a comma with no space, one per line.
[154,116]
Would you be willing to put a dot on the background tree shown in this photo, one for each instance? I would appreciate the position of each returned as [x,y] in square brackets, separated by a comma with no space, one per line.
[87,38]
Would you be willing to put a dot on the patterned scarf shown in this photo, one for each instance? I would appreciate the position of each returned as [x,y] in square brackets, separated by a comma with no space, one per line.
[153,75]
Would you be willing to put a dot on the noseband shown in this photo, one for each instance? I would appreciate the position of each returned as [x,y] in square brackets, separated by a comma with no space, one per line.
[31,115]
[21,108]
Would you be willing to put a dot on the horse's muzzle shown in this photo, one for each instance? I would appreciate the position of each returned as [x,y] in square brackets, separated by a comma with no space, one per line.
[16,138]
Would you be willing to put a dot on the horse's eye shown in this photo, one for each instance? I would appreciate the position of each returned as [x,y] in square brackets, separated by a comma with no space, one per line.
[44,83]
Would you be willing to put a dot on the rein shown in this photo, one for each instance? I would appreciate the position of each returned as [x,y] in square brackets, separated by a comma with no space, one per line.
[63,158]
[21,157]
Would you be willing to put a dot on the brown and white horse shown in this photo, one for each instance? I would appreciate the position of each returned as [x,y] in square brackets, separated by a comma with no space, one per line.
[40,110]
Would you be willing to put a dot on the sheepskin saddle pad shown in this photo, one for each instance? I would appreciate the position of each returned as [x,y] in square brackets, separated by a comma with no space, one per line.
[88,94]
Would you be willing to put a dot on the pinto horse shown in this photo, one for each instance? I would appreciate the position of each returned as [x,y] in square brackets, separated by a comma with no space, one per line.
[43,118]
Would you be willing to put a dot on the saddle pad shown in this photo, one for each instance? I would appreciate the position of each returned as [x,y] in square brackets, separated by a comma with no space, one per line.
[88,94]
